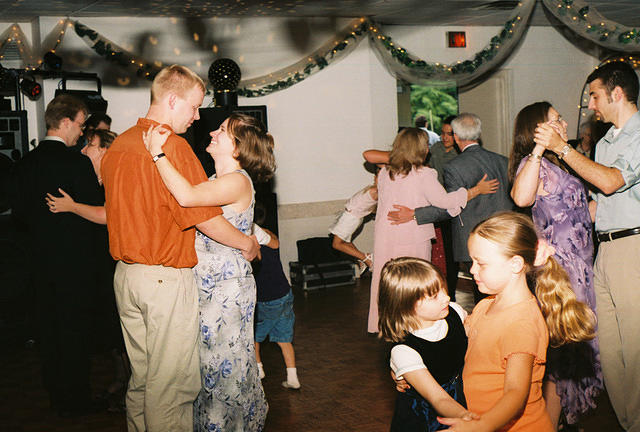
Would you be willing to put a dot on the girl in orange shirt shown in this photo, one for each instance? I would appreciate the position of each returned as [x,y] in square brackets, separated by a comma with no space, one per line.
[510,330]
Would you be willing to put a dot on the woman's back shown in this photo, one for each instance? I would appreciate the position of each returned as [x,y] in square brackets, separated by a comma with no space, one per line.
[413,191]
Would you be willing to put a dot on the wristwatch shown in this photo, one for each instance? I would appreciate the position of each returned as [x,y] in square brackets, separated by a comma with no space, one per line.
[158,156]
[565,150]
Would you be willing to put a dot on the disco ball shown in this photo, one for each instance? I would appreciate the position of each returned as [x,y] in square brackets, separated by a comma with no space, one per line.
[224,75]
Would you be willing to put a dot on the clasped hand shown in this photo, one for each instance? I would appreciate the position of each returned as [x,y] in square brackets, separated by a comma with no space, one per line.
[550,136]
[464,423]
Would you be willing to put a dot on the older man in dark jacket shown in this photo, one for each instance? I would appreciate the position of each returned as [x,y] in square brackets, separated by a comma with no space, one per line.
[465,170]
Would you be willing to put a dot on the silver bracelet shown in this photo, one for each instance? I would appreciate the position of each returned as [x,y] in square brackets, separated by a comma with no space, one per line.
[534,157]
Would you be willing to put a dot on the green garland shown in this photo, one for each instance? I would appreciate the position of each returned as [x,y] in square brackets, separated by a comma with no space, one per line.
[113,53]
[318,62]
[575,13]
[432,69]
[588,21]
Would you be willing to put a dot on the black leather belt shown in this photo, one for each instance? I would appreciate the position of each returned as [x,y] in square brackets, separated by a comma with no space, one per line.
[604,237]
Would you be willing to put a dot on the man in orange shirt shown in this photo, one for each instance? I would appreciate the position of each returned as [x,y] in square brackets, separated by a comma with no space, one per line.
[152,237]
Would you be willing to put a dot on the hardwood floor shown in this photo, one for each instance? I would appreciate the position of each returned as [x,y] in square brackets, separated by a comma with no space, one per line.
[344,375]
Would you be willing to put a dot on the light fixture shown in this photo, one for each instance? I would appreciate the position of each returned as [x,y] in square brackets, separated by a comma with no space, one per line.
[457,39]
[31,88]
[224,76]
[52,61]
[92,98]
[8,81]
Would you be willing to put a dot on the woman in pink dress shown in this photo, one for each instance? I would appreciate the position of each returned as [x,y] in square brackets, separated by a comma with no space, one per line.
[405,179]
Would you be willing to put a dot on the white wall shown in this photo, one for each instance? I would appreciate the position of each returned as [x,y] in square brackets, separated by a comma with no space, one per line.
[322,125]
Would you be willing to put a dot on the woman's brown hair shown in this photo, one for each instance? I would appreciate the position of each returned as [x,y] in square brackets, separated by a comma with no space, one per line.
[523,131]
[403,282]
[568,319]
[253,145]
[106,137]
[410,149]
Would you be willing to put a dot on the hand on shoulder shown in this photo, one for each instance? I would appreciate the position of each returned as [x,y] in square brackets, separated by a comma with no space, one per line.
[154,138]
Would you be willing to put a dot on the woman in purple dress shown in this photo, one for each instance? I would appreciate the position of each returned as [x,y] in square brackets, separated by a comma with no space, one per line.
[560,212]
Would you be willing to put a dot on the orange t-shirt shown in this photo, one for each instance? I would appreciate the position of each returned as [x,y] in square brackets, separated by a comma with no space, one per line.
[146,224]
[519,328]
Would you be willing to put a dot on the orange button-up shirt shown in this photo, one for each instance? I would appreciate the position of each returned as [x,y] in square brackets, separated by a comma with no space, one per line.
[146,224]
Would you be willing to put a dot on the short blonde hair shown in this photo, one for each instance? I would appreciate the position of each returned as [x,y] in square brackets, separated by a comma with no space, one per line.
[176,78]
[410,149]
[403,282]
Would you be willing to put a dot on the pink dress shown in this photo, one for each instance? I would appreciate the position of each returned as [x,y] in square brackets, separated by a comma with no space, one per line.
[419,188]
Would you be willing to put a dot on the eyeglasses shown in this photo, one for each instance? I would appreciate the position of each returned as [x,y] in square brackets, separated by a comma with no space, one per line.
[82,125]
[447,133]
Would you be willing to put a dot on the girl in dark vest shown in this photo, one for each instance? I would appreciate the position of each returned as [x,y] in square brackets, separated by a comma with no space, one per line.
[429,344]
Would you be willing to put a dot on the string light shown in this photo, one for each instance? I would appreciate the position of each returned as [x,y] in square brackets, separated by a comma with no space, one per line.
[399,52]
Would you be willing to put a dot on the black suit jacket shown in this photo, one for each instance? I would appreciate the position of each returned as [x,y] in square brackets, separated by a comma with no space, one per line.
[62,245]
[466,170]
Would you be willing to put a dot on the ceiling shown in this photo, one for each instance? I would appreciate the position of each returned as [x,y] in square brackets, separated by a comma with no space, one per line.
[400,12]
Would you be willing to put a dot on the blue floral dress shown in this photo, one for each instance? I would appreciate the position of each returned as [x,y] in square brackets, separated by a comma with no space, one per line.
[231,398]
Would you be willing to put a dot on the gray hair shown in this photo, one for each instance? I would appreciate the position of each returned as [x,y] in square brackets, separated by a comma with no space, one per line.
[467,126]
[585,126]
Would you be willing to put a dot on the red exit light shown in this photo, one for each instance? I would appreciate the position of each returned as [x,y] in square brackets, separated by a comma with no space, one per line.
[457,39]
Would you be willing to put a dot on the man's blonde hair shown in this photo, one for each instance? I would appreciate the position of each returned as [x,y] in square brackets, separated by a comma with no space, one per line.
[176,78]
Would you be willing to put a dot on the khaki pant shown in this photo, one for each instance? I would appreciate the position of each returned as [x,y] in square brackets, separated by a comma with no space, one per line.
[158,309]
[617,287]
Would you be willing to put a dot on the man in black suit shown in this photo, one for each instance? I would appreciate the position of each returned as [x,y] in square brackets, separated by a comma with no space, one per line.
[63,252]
[465,170]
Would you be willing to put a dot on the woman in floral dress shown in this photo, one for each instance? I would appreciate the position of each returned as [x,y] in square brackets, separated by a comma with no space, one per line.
[231,398]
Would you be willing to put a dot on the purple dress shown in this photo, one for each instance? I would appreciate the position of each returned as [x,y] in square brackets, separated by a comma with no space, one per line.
[562,219]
